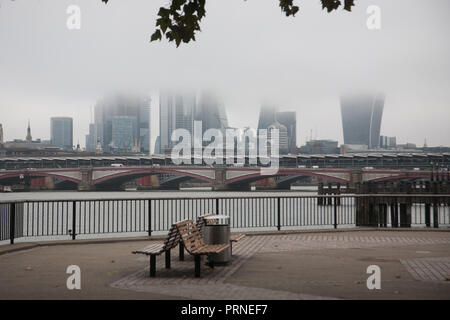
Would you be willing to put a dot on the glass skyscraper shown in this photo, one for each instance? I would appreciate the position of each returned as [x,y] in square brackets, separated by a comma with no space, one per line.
[119,105]
[124,135]
[61,132]
[176,111]
[361,119]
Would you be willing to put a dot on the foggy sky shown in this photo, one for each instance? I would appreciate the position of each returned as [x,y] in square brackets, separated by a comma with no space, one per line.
[248,51]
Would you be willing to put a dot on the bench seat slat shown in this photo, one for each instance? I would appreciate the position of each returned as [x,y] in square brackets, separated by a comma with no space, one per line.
[156,248]
[236,237]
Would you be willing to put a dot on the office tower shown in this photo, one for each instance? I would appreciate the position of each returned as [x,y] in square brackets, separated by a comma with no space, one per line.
[176,111]
[61,132]
[361,119]
[124,136]
[158,145]
[388,142]
[90,139]
[283,142]
[120,105]
[267,116]
[1,134]
[211,112]
[289,120]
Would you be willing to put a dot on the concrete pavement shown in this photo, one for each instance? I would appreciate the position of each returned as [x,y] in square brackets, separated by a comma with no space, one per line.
[319,265]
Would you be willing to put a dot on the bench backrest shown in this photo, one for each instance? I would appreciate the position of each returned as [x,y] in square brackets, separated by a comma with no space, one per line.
[173,238]
[190,235]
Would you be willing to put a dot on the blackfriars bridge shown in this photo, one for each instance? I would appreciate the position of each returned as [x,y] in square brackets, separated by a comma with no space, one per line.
[219,177]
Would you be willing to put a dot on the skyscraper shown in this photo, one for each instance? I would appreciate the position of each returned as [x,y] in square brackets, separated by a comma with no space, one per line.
[211,112]
[361,119]
[269,116]
[288,119]
[1,134]
[90,139]
[118,105]
[176,111]
[61,132]
[123,132]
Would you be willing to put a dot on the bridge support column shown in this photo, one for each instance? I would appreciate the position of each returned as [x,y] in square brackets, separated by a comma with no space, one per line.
[86,180]
[220,180]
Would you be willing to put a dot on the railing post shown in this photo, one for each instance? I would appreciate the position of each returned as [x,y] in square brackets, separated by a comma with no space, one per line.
[12,222]
[435,213]
[217,206]
[149,218]
[74,219]
[335,212]
[278,214]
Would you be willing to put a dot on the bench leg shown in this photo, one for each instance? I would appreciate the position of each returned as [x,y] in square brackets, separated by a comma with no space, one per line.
[181,255]
[168,259]
[197,265]
[152,265]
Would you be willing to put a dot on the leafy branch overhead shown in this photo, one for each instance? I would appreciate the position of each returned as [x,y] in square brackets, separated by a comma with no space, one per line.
[180,21]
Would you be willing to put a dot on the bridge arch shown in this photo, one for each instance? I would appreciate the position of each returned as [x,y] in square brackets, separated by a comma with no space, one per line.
[122,176]
[340,177]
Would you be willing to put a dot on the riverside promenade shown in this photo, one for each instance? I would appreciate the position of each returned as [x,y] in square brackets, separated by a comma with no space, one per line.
[414,264]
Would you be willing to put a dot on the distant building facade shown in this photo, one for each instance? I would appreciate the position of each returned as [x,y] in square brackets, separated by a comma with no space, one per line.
[90,139]
[283,141]
[120,105]
[176,111]
[124,133]
[320,147]
[361,119]
[288,119]
[211,112]
[269,116]
[388,142]
[61,132]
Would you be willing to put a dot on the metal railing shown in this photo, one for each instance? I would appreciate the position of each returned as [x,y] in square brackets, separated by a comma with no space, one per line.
[72,218]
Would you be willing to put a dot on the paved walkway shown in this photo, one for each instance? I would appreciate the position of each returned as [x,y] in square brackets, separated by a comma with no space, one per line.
[289,266]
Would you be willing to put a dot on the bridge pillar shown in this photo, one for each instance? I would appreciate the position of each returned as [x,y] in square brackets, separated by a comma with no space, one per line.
[86,180]
[355,178]
[220,179]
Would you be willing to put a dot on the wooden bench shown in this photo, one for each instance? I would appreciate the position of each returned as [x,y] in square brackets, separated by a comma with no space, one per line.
[155,249]
[194,244]
[201,222]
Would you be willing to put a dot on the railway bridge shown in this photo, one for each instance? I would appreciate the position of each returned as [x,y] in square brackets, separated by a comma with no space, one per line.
[219,177]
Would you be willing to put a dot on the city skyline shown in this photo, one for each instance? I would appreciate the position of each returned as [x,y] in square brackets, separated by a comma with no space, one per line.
[179,109]
[63,72]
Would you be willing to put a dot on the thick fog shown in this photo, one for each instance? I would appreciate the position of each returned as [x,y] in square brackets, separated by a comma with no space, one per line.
[248,51]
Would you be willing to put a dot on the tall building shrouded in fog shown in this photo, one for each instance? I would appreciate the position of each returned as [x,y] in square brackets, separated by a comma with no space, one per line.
[361,119]
[269,116]
[176,111]
[61,132]
[211,112]
[136,109]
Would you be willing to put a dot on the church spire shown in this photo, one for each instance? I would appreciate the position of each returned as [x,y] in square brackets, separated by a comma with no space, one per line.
[29,138]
